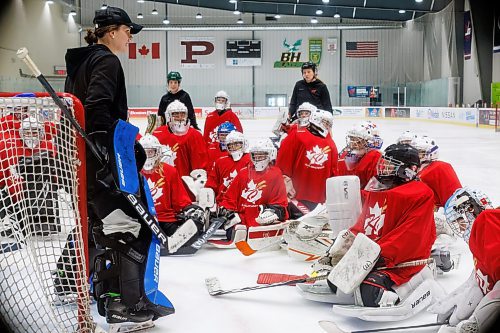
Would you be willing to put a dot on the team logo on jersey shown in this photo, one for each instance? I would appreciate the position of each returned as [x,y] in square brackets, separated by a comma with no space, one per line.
[213,135]
[169,154]
[482,280]
[156,188]
[253,192]
[375,221]
[227,180]
[318,156]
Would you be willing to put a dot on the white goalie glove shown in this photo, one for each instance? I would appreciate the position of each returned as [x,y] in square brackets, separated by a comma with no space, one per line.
[196,181]
[339,248]
[267,216]
[167,155]
[290,190]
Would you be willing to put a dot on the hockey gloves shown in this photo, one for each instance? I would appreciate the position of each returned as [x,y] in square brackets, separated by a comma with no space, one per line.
[195,213]
[270,214]
[231,216]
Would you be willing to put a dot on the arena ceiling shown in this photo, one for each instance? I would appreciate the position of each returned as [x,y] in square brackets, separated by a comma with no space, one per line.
[385,10]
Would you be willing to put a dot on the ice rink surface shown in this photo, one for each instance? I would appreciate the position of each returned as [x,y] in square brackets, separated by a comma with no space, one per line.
[473,152]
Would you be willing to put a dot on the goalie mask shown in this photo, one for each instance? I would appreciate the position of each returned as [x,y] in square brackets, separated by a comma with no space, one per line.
[304,113]
[32,132]
[406,138]
[152,147]
[462,209]
[236,145]
[398,165]
[321,121]
[427,149]
[221,101]
[262,154]
[363,137]
[222,131]
[177,117]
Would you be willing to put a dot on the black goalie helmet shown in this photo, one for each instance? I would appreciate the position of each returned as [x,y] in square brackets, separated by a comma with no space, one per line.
[398,164]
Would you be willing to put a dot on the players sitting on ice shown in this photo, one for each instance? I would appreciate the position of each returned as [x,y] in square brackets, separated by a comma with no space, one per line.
[395,226]
[189,151]
[361,154]
[27,176]
[218,148]
[307,158]
[227,167]
[222,113]
[474,306]
[172,203]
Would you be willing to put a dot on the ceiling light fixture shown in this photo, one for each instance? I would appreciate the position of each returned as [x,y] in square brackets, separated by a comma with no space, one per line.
[236,12]
[402,11]
[154,11]
[314,20]
[140,1]
[240,21]
[72,12]
[49,2]
[277,16]
[166,21]
[139,16]
[319,12]
[337,15]
[419,0]
[233,1]
[104,6]
[326,1]
[199,16]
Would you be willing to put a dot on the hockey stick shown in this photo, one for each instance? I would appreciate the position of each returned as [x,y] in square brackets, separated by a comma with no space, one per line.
[138,206]
[247,250]
[214,288]
[331,327]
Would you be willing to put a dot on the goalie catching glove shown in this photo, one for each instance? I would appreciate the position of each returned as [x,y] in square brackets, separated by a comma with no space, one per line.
[270,214]
[195,181]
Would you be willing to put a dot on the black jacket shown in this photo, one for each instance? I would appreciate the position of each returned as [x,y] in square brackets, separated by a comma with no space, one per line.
[95,76]
[314,92]
[183,97]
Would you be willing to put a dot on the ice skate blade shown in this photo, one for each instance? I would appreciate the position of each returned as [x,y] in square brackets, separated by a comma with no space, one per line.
[130,327]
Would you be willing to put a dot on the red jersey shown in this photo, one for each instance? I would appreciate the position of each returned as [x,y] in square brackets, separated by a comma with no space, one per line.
[214,119]
[190,152]
[365,169]
[223,172]
[401,221]
[309,160]
[214,153]
[484,243]
[442,179]
[251,188]
[167,190]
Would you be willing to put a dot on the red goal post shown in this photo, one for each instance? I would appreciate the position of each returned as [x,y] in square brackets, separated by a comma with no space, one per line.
[43,204]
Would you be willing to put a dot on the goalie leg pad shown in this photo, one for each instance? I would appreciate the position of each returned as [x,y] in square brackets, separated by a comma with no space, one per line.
[376,290]
[266,236]
[343,201]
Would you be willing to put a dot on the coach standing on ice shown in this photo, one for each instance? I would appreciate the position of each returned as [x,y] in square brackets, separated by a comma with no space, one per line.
[309,89]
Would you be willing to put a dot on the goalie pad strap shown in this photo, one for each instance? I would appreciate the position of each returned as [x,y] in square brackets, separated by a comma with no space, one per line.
[118,246]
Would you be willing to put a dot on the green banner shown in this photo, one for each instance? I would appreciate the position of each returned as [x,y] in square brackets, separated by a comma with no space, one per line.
[495,94]
[315,49]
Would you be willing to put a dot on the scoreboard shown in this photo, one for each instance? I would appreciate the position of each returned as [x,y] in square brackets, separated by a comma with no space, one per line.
[243,52]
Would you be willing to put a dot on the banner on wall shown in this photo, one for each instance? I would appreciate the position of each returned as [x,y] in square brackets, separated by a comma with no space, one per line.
[331,45]
[496,39]
[315,49]
[467,35]
[495,94]
[197,52]
[291,58]
[397,112]
[373,112]
[362,91]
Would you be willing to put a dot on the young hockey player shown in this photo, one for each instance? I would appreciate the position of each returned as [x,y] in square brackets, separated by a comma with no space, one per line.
[361,154]
[257,193]
[283,127]
[475,305]
[227,167]
[307,158]
[397,219]
[218,148]
[221,114]
[172,203]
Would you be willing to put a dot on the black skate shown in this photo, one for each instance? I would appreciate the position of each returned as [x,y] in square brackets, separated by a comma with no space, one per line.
[122,319]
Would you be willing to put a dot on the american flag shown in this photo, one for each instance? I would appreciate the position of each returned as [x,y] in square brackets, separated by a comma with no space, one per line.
[361,49]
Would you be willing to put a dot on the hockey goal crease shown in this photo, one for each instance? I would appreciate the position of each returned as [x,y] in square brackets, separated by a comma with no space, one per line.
[43,277]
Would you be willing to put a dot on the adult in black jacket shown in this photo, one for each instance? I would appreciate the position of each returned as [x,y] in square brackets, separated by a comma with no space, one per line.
[309,89]
[175,92]
[96,77]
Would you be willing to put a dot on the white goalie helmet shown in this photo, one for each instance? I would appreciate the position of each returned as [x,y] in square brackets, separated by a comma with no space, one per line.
[262,153]
[236,145]
[177,117]
[304,112]
[406,138]
[152,147]
[462,209]
[427,148]
[363,137]
[221,100]
[32,132]
[322,121]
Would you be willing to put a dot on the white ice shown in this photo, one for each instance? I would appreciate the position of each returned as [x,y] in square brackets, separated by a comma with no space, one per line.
[473,152]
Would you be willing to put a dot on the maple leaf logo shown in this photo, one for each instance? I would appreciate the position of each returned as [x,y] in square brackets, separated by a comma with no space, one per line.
[156,191]
[482,281]
[170,154]
[253,192]
[143,50]
[318,155]
[213,135]
[375,221]
[227,180]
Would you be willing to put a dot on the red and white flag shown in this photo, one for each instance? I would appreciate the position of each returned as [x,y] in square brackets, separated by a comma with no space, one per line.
[144,51]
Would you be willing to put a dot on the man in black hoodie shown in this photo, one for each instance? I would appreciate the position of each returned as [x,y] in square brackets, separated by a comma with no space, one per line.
[176,93]
[310,89]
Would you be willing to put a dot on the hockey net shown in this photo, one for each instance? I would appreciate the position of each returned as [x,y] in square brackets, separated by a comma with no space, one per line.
[43,219]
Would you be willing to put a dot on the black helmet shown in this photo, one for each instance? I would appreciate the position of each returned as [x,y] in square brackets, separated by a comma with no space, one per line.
[175,76]
[397,164]
[309,64]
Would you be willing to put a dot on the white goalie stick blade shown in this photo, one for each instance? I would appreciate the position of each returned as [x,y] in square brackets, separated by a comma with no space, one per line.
[130,327]
[331,327]
[355,265]
[416,302]
[187,230]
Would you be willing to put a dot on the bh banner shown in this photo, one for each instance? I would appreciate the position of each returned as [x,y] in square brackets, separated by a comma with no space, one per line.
[467,35]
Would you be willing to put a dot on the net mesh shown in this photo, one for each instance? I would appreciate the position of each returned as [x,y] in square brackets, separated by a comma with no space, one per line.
[43,280]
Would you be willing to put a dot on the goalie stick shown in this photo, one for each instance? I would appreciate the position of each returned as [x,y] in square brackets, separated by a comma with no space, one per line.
[134,201]
[331,327]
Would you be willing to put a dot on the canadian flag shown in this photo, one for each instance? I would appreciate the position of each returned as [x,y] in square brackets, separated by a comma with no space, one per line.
[144,51]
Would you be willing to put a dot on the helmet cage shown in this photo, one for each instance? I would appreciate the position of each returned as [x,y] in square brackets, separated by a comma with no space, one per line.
[236,145]
[32,132]
[391,168]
